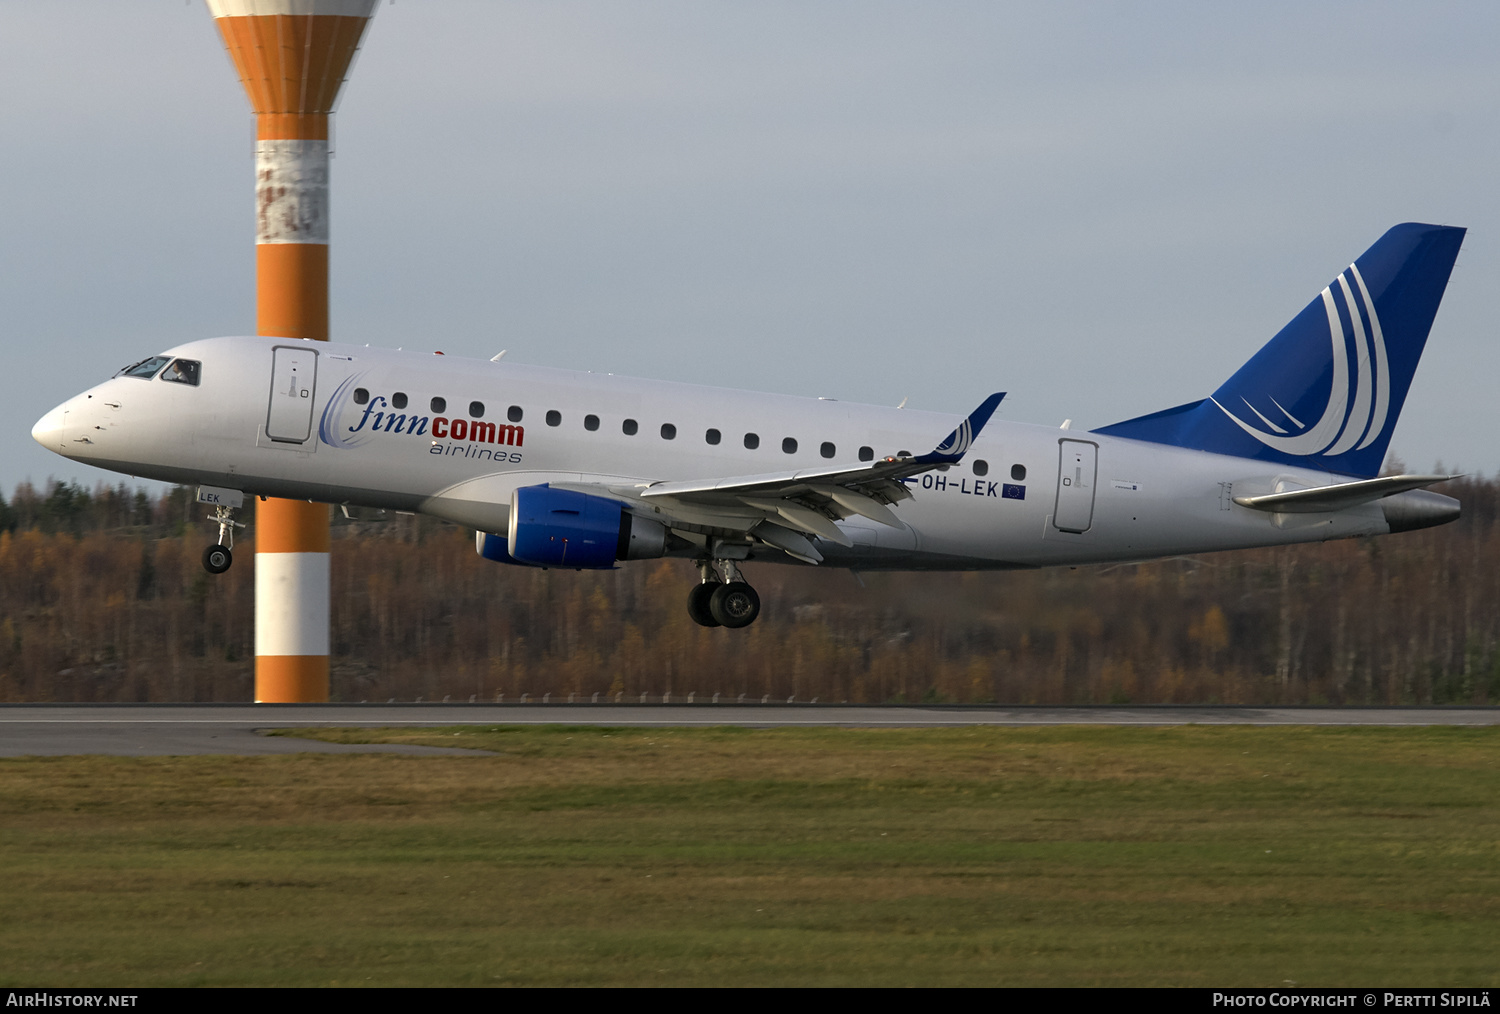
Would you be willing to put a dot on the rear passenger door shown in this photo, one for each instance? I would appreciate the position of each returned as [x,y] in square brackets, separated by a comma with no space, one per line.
[1078,466]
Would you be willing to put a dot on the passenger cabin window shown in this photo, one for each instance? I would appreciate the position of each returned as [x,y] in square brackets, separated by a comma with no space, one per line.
[398,400]
[554,417]
[439,405]
[981,467]
[1018,472]
[591,422]
[789,445]
[361,396]
[668,431]
[866,454]
[752,441]
[476,409]
[827,450]
[145,369]
[514,413]
[712,436]
[183,371]
[630,427]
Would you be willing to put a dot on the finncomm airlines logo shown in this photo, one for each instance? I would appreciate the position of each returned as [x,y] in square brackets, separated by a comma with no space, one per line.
[354,415]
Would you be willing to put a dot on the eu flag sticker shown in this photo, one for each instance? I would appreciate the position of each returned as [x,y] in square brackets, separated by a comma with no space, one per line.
[1010,491]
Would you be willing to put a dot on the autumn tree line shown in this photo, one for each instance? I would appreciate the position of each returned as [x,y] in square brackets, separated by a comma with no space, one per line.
[103,598]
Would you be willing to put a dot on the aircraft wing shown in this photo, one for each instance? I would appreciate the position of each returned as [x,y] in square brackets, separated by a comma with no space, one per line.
[782,509]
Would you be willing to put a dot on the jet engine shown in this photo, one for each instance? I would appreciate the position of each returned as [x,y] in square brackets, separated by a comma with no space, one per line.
[562,528]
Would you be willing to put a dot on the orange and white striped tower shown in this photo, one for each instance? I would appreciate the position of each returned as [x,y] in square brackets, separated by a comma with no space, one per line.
[292,56]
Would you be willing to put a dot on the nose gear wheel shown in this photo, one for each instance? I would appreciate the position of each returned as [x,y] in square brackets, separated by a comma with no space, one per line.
[216,559]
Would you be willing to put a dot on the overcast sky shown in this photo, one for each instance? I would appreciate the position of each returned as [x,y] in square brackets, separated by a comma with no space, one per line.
[1103,209]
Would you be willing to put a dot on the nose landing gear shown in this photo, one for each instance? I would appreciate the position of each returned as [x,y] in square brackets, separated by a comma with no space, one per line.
[218,557]
[722,598]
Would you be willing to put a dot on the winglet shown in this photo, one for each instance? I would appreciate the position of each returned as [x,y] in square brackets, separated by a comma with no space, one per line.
[957,443]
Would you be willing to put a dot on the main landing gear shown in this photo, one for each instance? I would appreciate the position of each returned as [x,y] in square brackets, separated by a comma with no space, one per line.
[218,557]
[722,599]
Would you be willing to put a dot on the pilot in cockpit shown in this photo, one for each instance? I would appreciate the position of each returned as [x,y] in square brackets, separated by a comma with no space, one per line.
[182,371]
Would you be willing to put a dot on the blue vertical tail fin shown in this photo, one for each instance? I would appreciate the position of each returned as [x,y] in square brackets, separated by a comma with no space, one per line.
[1325,393]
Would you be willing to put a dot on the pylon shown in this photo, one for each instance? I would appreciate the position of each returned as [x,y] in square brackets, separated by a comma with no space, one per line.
[292,57]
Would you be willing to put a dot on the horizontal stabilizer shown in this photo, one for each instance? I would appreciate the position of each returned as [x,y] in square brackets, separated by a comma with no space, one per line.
[1340,496]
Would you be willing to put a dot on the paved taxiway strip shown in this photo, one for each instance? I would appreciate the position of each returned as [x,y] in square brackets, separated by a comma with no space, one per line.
[172,729]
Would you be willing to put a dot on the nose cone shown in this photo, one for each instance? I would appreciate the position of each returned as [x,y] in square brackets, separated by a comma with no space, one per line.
[48,430]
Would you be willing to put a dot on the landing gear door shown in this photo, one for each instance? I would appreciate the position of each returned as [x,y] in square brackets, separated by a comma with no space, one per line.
[293,373]
[1079,465]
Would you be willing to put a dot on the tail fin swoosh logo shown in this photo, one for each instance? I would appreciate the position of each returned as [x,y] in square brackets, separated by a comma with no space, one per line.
[1360,396]
[1327,390]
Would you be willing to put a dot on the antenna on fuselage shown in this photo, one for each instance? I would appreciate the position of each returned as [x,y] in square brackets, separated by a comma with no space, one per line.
[499,355]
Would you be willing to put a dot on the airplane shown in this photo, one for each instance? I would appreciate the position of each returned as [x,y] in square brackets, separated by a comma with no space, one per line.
[556,468]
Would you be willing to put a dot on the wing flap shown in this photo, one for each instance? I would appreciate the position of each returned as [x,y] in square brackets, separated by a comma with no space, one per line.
[860,503]
[802,517]
[791,543]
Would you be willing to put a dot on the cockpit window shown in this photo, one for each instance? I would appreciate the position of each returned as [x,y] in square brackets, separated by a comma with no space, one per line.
[183,371]
[146,368]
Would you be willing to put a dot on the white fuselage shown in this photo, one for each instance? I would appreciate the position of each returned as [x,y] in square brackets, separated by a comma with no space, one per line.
[1142,500]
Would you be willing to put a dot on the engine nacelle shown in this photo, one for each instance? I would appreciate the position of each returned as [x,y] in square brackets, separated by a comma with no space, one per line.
[562,528]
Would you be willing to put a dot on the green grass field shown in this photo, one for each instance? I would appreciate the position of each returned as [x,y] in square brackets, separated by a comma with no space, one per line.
[1076,855]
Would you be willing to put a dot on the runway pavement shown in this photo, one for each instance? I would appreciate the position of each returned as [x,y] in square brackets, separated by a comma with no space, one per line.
[142,730]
